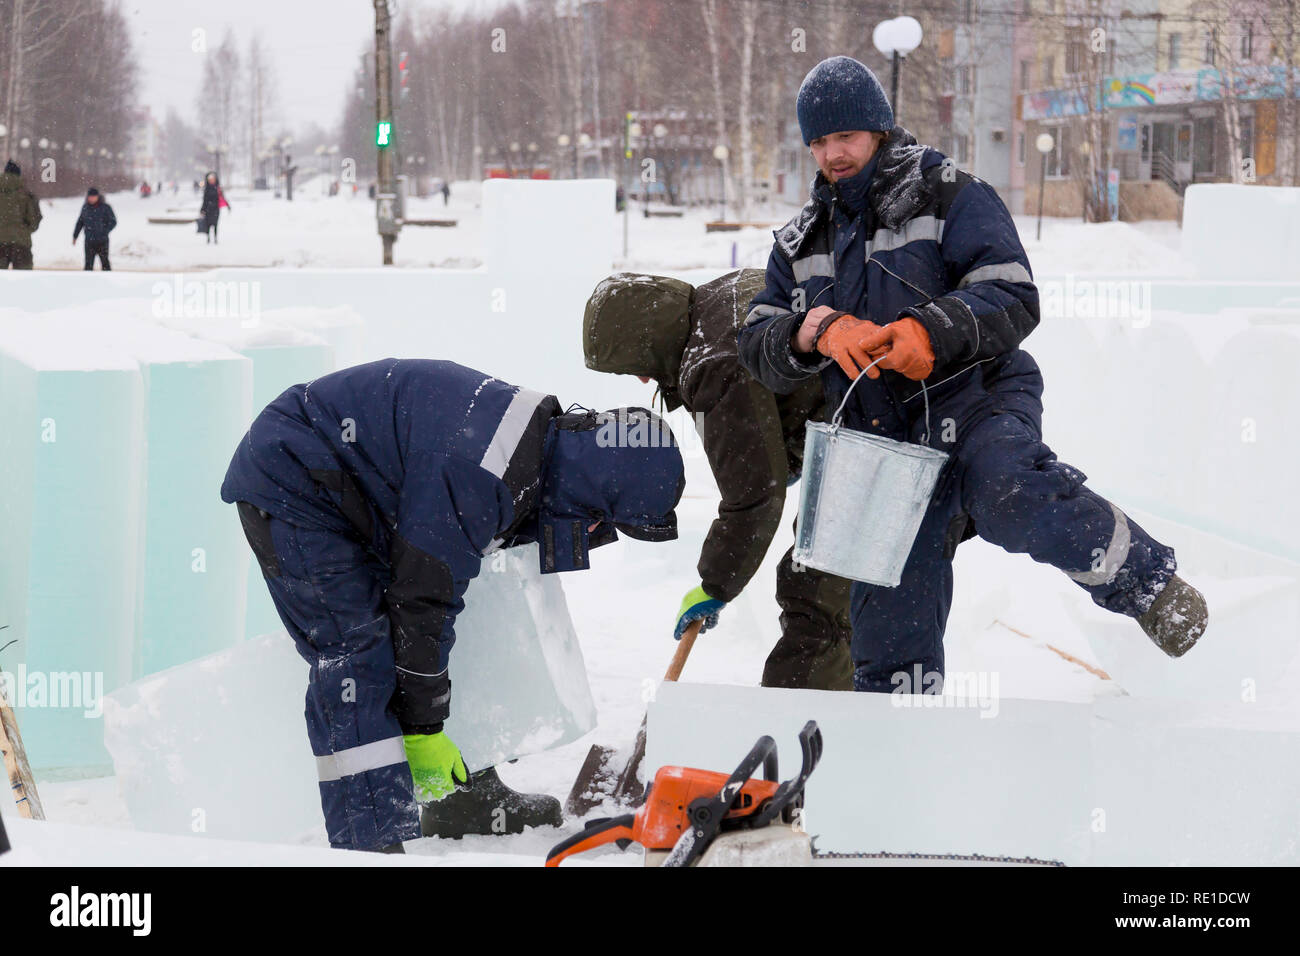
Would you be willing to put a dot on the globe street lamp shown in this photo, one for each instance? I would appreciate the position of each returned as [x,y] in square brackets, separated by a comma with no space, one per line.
[1044,144]
[896,38]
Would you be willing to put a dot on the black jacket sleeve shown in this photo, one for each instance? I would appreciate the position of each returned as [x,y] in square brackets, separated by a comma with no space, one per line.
[448,514]
[741,431]
[993,302]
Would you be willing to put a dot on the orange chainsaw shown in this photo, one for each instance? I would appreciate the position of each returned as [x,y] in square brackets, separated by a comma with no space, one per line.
[686,809]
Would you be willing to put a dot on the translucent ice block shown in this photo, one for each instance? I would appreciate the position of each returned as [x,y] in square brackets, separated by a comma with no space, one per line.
[195,561]
[222,740]
[71,498]
[275,368]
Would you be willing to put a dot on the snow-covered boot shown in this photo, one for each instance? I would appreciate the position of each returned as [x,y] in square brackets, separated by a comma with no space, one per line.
[1177,617]
[488,807]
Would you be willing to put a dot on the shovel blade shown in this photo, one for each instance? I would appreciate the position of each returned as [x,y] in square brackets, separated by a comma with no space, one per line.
[595,782]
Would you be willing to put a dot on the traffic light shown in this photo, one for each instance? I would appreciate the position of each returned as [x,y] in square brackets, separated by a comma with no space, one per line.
[383,134]
[401,73]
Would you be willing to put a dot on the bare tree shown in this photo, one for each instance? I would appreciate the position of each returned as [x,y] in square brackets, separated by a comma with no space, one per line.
[712,29]
[218,107]
[261,95]
[36,30]
[1221,20]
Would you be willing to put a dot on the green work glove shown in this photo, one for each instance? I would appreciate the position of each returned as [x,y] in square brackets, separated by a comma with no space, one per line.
[436,765]
[697,605]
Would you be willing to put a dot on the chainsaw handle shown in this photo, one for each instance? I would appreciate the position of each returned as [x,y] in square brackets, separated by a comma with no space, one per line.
[791,792]
[597,833]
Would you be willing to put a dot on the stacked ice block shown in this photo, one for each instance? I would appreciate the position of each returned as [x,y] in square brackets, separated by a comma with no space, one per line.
[120,557]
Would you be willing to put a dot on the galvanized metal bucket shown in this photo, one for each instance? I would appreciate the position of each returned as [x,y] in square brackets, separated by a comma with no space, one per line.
[863,499]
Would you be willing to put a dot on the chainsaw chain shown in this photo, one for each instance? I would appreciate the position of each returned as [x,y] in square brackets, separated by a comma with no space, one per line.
[968,857]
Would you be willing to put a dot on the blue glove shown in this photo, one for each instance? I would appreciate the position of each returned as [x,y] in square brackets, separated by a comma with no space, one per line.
[697,605]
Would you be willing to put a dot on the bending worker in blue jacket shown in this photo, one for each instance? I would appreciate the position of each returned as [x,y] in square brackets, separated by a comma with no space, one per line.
[370,496]
[900,256]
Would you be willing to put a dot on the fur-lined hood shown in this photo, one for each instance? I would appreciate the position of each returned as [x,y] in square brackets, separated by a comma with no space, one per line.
[897,190]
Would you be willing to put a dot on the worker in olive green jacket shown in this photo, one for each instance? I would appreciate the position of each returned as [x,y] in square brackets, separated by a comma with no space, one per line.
[20,214]
[684,338]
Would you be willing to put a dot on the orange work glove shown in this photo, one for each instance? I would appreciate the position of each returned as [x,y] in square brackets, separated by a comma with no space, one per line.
[841,341]
[908,343]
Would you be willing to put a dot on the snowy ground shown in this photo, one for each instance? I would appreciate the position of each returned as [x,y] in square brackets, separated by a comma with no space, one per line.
[1030,642]
[339,232]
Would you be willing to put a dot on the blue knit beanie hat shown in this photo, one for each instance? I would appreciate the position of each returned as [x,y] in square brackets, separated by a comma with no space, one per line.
[841,94]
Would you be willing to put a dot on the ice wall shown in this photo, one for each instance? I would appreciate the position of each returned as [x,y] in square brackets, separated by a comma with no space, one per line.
[124,560]
[71,442]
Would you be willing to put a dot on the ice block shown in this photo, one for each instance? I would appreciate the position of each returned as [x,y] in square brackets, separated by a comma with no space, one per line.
[221,742]
[71,498]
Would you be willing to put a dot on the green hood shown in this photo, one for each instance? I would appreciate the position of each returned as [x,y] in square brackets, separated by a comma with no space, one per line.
[638,325]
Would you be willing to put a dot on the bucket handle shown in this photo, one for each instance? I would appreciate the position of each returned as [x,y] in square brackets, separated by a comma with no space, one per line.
[839,412]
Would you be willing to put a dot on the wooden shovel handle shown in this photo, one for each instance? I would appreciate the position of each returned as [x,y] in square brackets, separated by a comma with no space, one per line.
[683,650]
[17,768]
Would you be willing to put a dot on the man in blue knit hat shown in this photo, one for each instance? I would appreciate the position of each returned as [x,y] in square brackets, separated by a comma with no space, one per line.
[902,260]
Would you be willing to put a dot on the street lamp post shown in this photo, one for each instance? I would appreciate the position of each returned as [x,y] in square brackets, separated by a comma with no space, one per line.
[720,153]
[634,133]
[562,143]
[288,168]
[896,38]
[661,135]
[1043,144]
[584,141]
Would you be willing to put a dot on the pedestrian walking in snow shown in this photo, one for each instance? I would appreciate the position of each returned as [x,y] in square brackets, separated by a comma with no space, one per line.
[20,216]
[900,257]
[98,220]
[214,200]
[370,497]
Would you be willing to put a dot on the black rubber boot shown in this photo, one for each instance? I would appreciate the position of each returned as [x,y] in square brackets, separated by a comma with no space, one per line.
[1177,618]
[489,808]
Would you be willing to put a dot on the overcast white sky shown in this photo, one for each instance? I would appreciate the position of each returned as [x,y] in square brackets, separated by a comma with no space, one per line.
[314,44]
